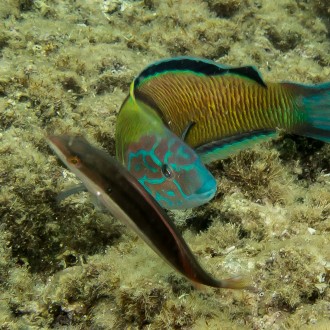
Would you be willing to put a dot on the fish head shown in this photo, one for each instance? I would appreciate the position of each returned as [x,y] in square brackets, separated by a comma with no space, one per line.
[170,171]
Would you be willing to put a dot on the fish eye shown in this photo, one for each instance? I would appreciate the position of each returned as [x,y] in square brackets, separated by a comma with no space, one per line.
[167,171]
[74,160]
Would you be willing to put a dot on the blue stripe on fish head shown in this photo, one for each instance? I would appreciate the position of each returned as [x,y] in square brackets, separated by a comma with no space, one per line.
[170,171]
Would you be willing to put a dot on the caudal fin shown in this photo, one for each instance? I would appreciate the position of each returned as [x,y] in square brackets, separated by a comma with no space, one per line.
[316,106]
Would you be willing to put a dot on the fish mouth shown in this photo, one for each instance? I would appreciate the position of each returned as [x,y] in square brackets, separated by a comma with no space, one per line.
[202,195]
[207,190]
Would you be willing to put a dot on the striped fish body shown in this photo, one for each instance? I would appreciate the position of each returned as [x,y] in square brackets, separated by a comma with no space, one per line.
[221,106]
[184,111]
[229,107]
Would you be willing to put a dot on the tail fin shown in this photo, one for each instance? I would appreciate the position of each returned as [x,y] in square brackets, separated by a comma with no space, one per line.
[316,106]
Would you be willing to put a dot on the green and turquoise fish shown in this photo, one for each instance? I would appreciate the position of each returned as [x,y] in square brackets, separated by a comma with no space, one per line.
[167,167]
[217,110]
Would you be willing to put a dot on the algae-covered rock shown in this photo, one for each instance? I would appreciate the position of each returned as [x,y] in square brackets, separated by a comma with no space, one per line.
[66,67]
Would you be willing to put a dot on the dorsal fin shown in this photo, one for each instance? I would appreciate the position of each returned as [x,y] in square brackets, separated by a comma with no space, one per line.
[198,66]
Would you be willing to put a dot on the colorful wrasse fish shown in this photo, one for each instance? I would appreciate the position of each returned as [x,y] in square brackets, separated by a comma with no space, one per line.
[218,109]
[160,160]
[122,195]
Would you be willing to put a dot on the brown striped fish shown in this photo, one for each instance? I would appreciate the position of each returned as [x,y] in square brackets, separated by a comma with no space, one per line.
[125,198]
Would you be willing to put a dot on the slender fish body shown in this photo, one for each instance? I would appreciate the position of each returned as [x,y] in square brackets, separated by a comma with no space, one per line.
[122,195]
[220,110]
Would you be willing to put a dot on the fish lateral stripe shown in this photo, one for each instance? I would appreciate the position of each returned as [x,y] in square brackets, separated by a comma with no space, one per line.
[198,66]
[223,148]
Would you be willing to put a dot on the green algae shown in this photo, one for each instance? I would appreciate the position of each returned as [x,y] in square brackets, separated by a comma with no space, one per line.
[65,67]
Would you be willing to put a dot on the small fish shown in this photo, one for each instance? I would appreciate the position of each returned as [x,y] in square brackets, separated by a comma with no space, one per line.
[121,194]
[217,110]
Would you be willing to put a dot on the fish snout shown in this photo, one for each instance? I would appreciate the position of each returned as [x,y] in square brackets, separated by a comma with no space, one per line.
[206,192]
